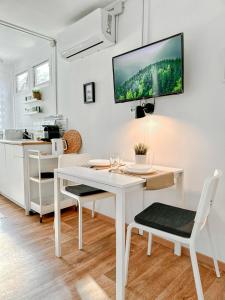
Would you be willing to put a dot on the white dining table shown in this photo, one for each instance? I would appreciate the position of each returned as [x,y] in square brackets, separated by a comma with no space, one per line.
[119,185]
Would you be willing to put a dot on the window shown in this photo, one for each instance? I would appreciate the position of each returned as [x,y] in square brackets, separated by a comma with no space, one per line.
[41,73]
[22,82]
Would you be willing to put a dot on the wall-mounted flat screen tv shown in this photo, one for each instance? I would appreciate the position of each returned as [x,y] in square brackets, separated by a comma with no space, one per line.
[151,71]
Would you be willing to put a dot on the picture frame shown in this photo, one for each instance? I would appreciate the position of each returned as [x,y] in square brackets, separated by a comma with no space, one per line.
[89,92]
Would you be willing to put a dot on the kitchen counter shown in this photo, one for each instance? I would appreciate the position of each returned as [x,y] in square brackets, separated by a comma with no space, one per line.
[23,142]
[14,168]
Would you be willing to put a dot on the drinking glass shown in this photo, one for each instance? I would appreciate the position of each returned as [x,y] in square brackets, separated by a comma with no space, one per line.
[150,158]
[114,160]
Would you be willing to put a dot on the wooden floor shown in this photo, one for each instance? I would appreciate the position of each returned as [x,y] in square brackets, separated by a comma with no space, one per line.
[29,269]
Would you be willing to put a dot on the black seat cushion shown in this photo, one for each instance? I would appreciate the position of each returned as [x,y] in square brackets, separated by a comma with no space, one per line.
[82,190]
[47,175]
[167,218]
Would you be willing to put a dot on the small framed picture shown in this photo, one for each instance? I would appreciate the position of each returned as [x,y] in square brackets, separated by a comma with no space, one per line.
[89,92]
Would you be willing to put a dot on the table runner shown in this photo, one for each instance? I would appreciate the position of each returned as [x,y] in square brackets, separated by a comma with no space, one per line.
[156,180]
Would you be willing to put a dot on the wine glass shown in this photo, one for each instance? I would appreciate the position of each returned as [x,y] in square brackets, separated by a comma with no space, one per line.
[114,160]
[150,158]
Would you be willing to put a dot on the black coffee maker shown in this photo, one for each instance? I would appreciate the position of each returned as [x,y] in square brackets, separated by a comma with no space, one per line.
[51,132]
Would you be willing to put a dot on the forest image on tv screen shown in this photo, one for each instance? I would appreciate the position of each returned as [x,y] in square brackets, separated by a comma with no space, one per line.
[152,71]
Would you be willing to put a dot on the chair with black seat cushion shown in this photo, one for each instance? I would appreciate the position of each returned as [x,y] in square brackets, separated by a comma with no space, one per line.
[82,190]
[178,225]
[79,192]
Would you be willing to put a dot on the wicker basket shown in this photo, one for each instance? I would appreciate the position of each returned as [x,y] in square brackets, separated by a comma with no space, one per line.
[74,141]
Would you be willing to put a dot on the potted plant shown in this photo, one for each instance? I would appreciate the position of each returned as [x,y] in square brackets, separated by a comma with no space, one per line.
[36,94]
[140,153]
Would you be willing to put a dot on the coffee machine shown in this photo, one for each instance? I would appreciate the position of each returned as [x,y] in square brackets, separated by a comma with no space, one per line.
[51,132]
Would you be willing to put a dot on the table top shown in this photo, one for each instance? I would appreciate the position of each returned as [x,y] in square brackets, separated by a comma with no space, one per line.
[23,142]
[106,177]
[101,176]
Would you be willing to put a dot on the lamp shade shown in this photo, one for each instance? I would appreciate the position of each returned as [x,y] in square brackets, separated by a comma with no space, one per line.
[139,112]
[149,108]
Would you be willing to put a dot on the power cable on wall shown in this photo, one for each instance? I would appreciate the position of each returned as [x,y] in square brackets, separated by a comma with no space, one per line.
[117,28]
[25,30]
[56,78]
[145,29]
[142,35]
[143,22]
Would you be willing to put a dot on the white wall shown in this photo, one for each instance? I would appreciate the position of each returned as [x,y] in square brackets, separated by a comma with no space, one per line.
[33,57]
[192,126]
[6,92]
[186,131]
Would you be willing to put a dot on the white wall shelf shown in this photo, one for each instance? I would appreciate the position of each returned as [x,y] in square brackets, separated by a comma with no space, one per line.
[33,101]
[32,113]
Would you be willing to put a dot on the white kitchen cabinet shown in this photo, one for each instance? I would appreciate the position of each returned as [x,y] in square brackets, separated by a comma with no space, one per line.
[13,170]
[2,168]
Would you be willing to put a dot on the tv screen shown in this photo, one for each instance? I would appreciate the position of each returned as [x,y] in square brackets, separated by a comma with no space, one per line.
[151,71]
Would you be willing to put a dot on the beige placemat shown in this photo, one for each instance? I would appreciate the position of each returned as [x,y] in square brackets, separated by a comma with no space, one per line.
[154,181]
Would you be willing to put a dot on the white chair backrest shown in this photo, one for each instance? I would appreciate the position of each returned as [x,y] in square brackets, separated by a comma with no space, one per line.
[73,160]
[206,201]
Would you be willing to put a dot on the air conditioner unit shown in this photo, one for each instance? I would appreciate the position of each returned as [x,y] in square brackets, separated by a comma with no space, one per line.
[92,33]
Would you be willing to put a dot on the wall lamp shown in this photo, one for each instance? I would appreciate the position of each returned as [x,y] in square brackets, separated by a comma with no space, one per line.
[145,108]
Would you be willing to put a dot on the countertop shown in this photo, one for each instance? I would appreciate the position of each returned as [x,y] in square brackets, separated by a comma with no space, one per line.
[23,142]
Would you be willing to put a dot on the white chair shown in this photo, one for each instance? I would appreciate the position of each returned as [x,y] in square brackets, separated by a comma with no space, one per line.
[179,225]
[79,192]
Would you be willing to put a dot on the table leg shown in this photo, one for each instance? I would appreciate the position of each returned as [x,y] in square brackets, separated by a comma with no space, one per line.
[180,196]
[57,216]
[140,231]
[120,245]
[180,189]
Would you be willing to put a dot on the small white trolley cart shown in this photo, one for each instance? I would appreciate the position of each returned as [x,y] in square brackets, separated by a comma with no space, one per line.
[40,173]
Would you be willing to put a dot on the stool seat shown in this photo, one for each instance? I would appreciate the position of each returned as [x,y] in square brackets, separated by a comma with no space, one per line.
[83,190]
[167,218]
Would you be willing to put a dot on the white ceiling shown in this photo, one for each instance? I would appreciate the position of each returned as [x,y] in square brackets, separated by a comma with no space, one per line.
[44,16]
[14,44]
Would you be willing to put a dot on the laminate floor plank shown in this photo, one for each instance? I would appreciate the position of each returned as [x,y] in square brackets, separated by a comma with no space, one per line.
[29,269]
